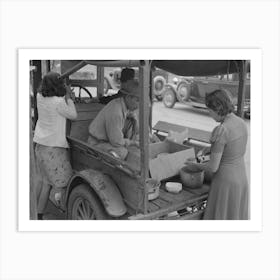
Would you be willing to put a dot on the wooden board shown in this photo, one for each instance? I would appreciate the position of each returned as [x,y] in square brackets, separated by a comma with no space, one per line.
[194,133]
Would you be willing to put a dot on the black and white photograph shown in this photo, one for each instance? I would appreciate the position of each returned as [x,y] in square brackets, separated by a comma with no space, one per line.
[139,139]
[143,139]
[132,139]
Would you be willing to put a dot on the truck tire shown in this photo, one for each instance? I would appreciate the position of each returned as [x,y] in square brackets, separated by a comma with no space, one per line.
[83,204]
[158,86]
[183,91]
[169,97]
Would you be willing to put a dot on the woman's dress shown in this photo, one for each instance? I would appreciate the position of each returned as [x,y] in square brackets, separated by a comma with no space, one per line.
[229,192]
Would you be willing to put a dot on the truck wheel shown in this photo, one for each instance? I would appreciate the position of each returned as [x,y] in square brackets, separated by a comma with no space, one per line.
[159,83]
[169,97]
[184,91]
[83,204]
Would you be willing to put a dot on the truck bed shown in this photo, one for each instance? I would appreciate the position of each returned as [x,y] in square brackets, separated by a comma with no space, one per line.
[167,202]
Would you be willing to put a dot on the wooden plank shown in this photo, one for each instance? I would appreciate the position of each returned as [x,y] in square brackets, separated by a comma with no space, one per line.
[165,211]
[152,207]
[100,80]
[172,197]
[115,63]
[83,107]
[34,178]
[84,82]
[193,133]
[186,196]
[166,127]
[162,203]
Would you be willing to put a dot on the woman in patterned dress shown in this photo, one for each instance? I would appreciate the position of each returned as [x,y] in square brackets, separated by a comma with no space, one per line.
[55,105]
[229,192]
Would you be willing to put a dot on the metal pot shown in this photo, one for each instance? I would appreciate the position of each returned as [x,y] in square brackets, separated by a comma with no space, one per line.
[191,178]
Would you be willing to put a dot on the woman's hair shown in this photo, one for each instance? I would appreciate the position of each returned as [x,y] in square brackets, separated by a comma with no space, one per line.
[220,102]
[52,85]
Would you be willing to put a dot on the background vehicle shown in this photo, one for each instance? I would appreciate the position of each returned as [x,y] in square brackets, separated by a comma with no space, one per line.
[112,81]
[192,90]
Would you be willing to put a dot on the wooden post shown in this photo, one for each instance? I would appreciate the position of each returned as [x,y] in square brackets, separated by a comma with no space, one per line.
[46,66]
[34,179]
[241,88]
[100,79]
[151,101]
[144,77]
[36,78]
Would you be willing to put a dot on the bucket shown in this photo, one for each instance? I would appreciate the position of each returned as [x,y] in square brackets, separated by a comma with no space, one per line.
[191,177]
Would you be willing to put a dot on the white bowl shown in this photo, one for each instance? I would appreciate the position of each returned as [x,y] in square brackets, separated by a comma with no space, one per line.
[173,187]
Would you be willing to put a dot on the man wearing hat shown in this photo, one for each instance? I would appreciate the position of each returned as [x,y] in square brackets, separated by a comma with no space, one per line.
[106,130]
[127,77]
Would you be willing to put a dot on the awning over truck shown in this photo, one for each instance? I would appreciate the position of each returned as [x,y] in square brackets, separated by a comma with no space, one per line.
[198,67]
[178,67]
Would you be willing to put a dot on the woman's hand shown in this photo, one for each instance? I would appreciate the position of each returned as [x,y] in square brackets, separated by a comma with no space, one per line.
[204,151]
[192,164]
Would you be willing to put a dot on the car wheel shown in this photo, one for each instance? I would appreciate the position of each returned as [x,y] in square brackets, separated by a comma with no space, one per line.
[169,97]
[183,91]
[159,84]
[83,204]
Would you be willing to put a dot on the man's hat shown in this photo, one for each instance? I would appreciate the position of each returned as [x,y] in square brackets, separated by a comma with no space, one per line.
[127,74]
[132,89]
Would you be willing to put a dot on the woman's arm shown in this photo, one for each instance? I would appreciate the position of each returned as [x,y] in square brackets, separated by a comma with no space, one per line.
[67,110]
[212,165]
[66,107]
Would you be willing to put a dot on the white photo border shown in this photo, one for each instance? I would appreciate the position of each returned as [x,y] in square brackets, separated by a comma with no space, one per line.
[24,222]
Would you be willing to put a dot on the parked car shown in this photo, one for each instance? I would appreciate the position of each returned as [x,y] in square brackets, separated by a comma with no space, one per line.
[192,90]
[112,81]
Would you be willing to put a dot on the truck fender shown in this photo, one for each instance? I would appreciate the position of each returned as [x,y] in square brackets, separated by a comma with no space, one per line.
[104,187]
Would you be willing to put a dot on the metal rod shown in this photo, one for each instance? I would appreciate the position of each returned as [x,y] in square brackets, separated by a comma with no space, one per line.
[74,69]
[116,63]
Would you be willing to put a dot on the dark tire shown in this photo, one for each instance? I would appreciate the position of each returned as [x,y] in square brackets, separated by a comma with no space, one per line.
[183,91]
[83,204]
[158,86]
[169,97]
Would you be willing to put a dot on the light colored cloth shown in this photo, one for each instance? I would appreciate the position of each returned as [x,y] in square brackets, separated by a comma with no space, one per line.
[51,125]
[107,128]
[54,165]
[229,192]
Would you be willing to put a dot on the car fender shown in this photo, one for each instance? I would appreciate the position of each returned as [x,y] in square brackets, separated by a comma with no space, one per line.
[104,187]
